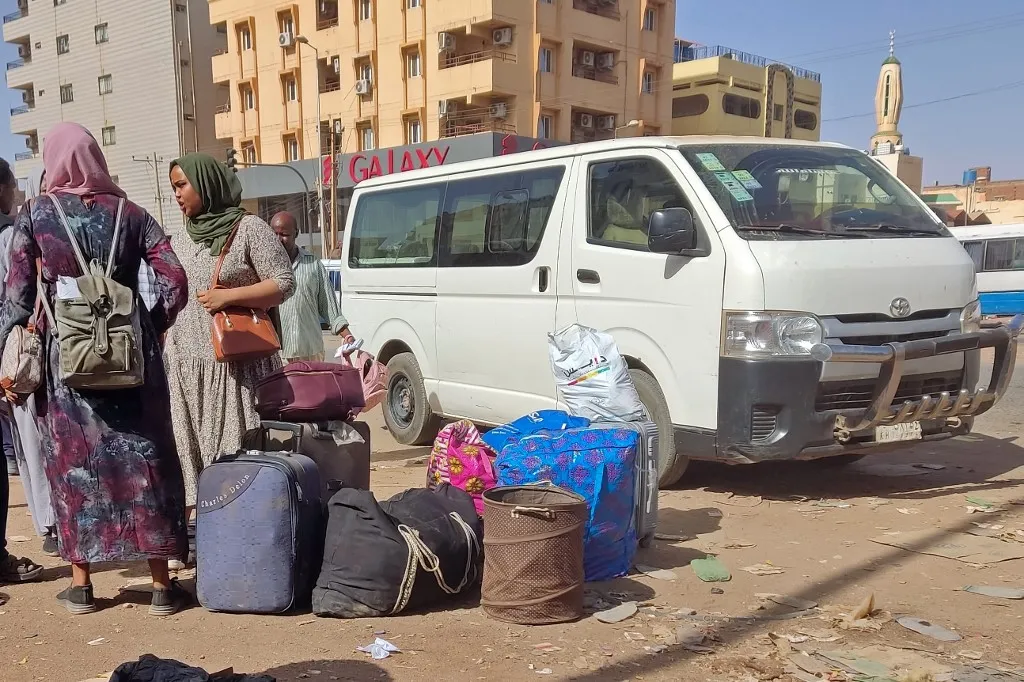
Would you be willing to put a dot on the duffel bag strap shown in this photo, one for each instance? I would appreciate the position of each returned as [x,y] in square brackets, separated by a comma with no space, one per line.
[420,556]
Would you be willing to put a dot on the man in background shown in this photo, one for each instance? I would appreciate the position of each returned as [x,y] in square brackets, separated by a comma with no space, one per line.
[313,300]
[8,189]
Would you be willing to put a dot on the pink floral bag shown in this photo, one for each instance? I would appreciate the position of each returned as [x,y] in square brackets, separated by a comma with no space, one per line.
[461,457]
[374,376]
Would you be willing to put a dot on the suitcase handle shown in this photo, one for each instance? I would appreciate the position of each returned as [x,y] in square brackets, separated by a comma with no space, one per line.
[294,429]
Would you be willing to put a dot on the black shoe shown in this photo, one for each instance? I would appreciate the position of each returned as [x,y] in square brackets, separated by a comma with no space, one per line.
[169,601]
[12,466]
[50,545]
[78,600]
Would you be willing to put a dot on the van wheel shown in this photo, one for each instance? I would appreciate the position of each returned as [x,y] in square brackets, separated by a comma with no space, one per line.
[671,464]
[406,410]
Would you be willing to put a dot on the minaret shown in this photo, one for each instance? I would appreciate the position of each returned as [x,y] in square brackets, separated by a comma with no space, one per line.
[889,99]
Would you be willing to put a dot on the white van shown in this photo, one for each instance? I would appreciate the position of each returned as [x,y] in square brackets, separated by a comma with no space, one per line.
[774,299]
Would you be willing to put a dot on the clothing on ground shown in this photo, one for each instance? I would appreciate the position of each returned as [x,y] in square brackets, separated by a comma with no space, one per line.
[212,402]
[149,668]
[314,300]
[115,479]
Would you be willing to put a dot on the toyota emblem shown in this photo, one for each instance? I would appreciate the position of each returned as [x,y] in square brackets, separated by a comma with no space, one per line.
[900,307]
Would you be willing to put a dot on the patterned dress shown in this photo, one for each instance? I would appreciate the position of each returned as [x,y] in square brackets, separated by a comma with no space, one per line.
[115,479]
[212,402]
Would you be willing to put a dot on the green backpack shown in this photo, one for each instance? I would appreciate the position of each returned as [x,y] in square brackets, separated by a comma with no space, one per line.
[98,332]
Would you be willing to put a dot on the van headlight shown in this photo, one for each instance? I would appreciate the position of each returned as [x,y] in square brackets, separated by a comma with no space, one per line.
[970,317]
[770,334]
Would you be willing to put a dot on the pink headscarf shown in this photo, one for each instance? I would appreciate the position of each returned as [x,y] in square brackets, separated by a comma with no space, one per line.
[74,163]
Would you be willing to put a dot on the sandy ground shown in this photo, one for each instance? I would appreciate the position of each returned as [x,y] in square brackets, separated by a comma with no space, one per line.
[813,524]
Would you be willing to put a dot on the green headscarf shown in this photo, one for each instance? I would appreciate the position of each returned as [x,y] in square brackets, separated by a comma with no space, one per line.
[221,193]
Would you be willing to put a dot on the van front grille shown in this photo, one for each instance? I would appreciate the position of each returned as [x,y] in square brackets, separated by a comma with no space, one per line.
[890,338]
[763,422]
[856,394]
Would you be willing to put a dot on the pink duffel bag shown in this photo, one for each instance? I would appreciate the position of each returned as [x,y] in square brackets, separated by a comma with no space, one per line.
[373,374]
[460,457]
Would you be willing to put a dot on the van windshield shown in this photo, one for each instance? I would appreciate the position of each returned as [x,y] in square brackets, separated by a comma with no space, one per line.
[772,191]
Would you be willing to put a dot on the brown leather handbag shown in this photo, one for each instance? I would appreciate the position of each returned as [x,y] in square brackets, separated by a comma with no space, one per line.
[241,334]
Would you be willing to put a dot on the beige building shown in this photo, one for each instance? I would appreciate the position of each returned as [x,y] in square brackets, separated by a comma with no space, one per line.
[720,91]
[392,72]
[137,74]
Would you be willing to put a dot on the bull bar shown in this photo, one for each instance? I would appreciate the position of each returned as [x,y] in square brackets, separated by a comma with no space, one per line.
[892,356]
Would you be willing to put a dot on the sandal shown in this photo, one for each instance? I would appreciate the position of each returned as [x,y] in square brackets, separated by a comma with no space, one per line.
[19,570]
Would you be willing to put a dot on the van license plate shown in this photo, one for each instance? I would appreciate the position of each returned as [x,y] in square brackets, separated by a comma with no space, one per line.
[898,432]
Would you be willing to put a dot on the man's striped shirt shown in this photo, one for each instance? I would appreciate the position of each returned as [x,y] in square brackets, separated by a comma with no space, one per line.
[313,300]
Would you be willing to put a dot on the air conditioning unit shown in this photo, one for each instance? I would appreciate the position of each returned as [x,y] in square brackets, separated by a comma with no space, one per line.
[363,86]
[586,120]
[336,64]
[502,36]
[26,96]
[286,40]
[445,42]
[445,107]
[587,58]
[499,110]
[606,61]
[606,122]
[24,51]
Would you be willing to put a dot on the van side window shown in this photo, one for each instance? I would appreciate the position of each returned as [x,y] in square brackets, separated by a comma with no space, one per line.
[623,195]
[397,228]
[497,220]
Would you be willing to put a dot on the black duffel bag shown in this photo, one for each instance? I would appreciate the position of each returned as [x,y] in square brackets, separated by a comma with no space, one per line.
[412,551]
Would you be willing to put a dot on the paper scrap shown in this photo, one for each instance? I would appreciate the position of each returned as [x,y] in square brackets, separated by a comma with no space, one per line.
[380,649]
[763,569]
[996,591]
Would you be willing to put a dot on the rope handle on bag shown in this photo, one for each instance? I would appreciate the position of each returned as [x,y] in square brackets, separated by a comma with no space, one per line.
[421,556]
[540,511]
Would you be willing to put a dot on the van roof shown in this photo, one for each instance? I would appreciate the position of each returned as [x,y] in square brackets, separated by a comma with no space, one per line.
[560,152]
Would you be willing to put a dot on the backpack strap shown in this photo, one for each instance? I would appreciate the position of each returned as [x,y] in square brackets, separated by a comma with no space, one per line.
[74,240]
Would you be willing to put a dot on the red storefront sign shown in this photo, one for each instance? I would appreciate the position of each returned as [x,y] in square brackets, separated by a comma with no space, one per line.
[365,166]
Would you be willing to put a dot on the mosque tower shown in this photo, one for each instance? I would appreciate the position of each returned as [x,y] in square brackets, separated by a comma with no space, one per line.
[889,100]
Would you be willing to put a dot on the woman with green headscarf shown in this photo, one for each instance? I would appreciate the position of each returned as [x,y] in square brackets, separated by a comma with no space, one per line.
[212,402]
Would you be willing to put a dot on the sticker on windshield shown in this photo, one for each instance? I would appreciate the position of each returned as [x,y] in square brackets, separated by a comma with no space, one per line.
[733,186]
[710,162]
[746,179]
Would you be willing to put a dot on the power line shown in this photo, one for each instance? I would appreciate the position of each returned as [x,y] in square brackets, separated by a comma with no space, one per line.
[996,88]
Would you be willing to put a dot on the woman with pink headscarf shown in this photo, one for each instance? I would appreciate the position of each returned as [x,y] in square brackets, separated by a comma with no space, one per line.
[114,474]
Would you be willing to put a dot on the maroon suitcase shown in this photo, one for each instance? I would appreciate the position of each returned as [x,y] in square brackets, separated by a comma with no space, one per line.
[310,392]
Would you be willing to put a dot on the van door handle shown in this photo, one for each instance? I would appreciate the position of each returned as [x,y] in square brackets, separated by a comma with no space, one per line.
[542,279]
[588,276]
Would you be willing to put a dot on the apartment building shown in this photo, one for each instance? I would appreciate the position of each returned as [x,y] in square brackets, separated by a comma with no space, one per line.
[137,74]
[385,73]
[717,90]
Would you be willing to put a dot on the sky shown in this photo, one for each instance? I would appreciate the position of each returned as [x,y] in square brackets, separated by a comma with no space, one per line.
[949,48]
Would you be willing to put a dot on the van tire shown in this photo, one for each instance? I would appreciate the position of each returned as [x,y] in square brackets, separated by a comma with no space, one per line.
[671,465]
[406,408]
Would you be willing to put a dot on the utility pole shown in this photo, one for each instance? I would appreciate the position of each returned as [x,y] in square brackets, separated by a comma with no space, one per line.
[337,131]
[155,160]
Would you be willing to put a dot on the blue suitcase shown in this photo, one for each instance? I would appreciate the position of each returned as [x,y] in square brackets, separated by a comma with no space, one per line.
[258,532]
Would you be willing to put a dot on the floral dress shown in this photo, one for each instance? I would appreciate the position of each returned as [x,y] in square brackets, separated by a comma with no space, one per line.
[115,480]
[212,402]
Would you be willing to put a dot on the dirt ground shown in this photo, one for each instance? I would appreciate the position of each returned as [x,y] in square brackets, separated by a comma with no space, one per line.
[815,525]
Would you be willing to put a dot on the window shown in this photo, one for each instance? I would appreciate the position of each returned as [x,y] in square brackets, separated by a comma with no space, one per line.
[365,10]
[63,44]
[976,250]
[546,62]
[545,127]
[249,153]
[738,105]
[413,61]
[691,105]
[623,195]
[245,38]
[805,119]
[366,139]
[999,254]
[366,72]
[67,94]
[106,84]
[412,4]
[650,19]
[397,228]
[101,33]
[647,83]
[109,136]
[413,132]
[292,147]
[287,24]
[497,220]
[59,2]
[885,106]
[291,89]
[180,7]
[779,112]
[248,99]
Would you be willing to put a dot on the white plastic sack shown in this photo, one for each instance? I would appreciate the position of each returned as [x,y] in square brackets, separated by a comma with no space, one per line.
[592,378]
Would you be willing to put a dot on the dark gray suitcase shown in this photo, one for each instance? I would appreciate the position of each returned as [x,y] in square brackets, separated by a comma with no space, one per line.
[646,513]
[341,466]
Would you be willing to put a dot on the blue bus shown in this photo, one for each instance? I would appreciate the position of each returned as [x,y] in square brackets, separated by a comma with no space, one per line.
[998,254]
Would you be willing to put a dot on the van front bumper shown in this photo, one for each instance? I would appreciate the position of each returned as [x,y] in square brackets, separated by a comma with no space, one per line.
[768,408]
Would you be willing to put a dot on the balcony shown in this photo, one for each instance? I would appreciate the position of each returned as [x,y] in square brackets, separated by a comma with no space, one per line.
[23,109]
[689,53]
[14,16]
[594,74]
[476,73]
[26,155]
[224,66]
[223,122]
[602,8]
[449,61]
[327,15]
[18,63]
[477,120]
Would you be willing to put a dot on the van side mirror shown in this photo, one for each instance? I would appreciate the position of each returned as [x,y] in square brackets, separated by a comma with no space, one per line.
[671,231]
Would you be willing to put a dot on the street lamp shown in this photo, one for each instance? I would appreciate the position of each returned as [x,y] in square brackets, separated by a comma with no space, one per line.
[303,40]
[635,123]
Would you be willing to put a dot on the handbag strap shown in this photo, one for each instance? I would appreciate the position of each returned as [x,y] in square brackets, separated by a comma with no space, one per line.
[74,240]
[224,253]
